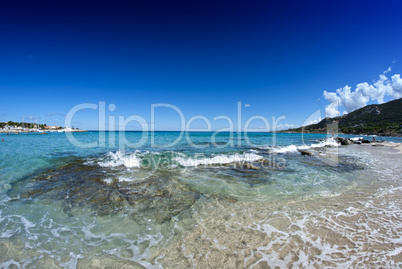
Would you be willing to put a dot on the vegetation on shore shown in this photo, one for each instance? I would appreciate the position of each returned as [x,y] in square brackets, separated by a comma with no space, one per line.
[384,119]
[22,124]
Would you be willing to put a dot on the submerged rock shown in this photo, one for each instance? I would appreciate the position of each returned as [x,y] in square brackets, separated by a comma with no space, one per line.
[158,198]
[250,166]
[243,165]
[264,162]
[81,186]
[107,261]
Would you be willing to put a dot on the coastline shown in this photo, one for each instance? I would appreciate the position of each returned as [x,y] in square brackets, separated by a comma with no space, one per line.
[394,146]
[358,134]
[40,132]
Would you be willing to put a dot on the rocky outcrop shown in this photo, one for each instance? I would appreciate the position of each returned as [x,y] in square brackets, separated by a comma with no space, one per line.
[344,141]
[305,152]
[79,185]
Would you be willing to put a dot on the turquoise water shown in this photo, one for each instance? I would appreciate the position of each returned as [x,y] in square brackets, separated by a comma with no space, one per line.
[63,205]
[24,154]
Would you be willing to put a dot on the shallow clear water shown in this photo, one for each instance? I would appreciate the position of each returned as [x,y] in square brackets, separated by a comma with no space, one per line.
[204,200]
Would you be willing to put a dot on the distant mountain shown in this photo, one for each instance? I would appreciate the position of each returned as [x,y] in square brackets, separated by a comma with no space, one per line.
[383,119]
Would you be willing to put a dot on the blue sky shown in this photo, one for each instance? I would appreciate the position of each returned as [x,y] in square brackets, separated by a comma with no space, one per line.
[200,56]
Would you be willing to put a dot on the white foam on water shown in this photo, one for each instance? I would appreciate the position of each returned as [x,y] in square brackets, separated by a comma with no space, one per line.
[6,234]
[347,234]
[9,263]
[294,149]
[218,159]
[287,149]
[343,242]
[130,178]
[115,159]
[139,255]
[127,179]
[72,263]
[330,142]
[108,180]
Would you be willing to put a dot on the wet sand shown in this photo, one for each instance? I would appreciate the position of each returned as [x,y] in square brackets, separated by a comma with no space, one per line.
[395,146]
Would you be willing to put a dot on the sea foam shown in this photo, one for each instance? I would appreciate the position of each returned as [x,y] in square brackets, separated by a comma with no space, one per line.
[120,159]
[293,148]
[218,159]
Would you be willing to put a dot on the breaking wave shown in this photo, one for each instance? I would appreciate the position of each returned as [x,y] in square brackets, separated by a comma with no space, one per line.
[218,159]
[293,148]
[119,159]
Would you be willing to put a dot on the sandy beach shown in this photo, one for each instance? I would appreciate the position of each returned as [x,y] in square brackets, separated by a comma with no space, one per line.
[395,146]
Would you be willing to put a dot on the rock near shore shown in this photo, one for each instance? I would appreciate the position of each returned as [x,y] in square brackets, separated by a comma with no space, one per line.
[344,141]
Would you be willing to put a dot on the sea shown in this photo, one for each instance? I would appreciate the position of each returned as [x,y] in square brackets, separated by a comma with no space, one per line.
[198,200]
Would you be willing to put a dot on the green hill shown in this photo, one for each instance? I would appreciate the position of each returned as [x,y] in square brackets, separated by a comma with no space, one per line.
[383,119]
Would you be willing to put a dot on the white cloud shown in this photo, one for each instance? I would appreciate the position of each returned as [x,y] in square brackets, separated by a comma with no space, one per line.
[388,70]
[362,94]
[353,100]
[247,105]
[312,122]
[396,86]
[332,109]
[313,118]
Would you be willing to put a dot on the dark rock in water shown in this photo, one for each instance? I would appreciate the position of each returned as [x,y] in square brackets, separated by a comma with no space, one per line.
[250,166]
[158,198]
[344,141]
[238,165]
[348,142]
[365,141]
[275,164]
[242,165]
[358,142]
[81,186]
[305,152]
[344,163]
[264,162]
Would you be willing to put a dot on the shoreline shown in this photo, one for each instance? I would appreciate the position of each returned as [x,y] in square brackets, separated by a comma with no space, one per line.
[394,146]
[39,132]
[325,133]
